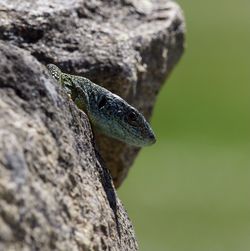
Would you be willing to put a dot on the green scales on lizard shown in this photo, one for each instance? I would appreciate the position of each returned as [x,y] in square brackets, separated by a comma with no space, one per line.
[107,112]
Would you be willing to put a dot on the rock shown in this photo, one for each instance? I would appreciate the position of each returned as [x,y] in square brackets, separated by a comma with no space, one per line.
[54,193]
[127,46]
[55,190]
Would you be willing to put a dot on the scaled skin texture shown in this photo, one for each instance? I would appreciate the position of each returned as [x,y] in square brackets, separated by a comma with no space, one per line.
[109,113]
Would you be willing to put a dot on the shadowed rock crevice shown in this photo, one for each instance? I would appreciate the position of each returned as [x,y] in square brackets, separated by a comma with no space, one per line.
[55,190]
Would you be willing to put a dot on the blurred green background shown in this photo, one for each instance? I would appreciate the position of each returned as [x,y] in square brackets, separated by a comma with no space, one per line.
[191,191]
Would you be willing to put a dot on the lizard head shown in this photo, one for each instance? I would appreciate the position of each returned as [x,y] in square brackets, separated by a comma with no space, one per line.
[116,118]
[140,131]
[109,113]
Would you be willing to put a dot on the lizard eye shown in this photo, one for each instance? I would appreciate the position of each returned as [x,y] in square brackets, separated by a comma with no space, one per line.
[102,102]
[132,118]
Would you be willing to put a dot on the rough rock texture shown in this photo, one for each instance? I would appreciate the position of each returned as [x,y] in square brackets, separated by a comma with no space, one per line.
[128,46]
[55,191]
[54,194]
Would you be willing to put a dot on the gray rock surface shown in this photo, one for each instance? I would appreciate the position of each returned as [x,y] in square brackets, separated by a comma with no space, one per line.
[54,193]
[128,46]
[55,190]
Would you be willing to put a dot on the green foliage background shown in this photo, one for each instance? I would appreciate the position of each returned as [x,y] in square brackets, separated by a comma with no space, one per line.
[191,191]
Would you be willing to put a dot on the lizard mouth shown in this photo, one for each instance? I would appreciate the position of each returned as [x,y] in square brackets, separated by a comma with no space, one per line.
[146,137]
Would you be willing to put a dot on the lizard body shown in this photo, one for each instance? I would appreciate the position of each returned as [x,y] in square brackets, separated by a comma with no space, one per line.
[109,113]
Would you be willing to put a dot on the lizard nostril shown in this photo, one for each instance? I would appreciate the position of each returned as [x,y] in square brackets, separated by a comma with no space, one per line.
[152,137]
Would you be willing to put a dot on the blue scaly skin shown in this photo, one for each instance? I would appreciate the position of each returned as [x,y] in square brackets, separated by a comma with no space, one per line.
[107,112]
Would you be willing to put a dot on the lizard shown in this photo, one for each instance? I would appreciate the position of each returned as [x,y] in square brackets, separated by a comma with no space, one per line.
[107,112]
